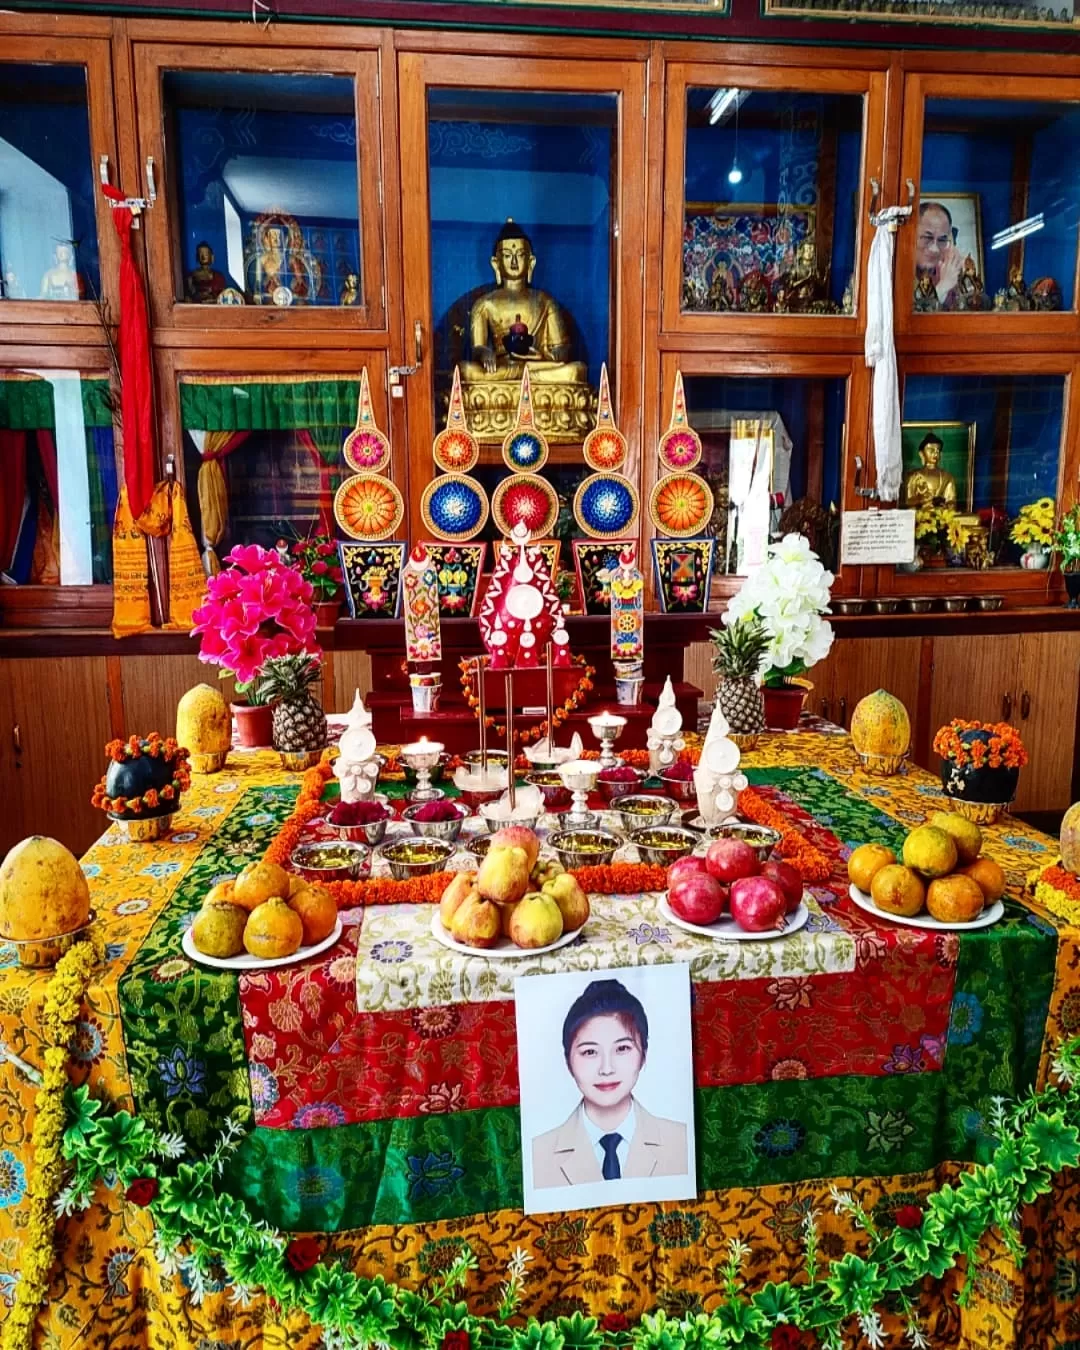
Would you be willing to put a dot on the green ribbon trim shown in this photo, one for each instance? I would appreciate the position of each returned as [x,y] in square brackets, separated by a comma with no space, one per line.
[257,405]
[28,405]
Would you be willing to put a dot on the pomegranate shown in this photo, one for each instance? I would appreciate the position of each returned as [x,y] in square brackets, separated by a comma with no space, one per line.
[686,867]
[698,898]
[789,881]
[729,860]
[758,904]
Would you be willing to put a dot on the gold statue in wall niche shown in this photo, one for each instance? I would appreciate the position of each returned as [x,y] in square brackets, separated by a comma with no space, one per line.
[513,325]
[803,289]
[930,484]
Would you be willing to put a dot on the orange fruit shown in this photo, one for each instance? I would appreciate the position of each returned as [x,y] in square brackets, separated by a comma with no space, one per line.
[898,890]
[296,883]
[931,851]
[954,899]
[218,929]
[990,877]
[867,860]
[273,930]
[223,893]
[258,882]
[318,912]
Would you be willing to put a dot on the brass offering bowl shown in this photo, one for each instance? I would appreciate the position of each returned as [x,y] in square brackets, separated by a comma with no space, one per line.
[330,862]
[682,789]
[612,791]
[847,606]
[583,848]
[436,829]
[557,796]
[417,856]
[888,605]
[956,604]
[664,844]
[989,603]
[478,845]
[641,810]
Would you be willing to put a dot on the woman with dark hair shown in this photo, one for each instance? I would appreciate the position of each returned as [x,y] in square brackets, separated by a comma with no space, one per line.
[609,1135]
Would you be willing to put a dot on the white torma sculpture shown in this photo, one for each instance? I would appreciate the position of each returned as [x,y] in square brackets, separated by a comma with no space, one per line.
[662,739]
[357,768]
[717,778]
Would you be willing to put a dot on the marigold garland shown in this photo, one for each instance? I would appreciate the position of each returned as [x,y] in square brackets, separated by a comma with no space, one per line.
[811,864]
[63,1001]
[622,878]
[534,733]
[1004,749]
[1057,890]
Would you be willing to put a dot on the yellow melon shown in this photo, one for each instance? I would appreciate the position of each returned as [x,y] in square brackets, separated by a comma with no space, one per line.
[880,725]
[204,726]
[1070,839]
[43,891]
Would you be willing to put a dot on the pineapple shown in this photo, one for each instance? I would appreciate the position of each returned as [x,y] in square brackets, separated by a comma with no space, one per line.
[299,722]
[739,649]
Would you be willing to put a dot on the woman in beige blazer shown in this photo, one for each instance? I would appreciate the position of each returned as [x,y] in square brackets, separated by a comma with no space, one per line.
[609,1136]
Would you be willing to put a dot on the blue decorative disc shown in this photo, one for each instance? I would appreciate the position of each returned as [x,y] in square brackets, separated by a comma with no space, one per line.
[525,451]
[606,505]
[454,507]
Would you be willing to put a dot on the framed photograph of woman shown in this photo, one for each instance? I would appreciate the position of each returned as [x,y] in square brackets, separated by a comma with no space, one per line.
[605,1121]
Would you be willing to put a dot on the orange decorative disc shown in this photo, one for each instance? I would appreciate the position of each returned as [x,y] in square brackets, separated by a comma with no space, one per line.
[605,446]
[524,498]
[681,505]
[369,507]
[366,449]
[680,445]
[456,449]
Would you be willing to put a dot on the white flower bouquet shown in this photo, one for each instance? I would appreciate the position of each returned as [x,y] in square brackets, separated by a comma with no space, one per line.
[789,593]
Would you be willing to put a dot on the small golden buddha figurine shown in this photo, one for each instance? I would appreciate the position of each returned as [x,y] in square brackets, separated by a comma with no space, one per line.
[279,270]
[61,281]
[203,285]
[350,294]
[515,305]
[929,485]
[721,297]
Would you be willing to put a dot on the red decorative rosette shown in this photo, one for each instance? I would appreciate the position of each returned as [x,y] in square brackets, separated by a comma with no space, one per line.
[525,499]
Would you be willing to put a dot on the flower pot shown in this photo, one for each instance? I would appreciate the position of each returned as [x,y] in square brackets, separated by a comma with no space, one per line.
[326,613]
[254,725]
[784,703]
[1072,587]
[1036,558]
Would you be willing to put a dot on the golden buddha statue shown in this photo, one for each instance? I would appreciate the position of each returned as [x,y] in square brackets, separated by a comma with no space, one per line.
[803,289]
[513,325]
[929,485]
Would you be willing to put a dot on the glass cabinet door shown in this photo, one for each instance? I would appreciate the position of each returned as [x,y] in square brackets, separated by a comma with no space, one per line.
[522,252]
[996,220]
[268,182]
[57,244]
[771,167]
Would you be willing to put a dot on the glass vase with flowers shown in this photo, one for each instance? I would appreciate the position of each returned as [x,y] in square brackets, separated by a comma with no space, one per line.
[1033,529]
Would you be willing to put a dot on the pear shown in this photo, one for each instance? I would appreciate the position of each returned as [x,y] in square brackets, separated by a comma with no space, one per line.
[572,901]
[503,875]
[518,836]
[459,886]
[536,921]
[506,913]
[476,922]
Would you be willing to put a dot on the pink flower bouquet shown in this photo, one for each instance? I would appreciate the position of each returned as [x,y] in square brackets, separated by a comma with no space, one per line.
[258,608]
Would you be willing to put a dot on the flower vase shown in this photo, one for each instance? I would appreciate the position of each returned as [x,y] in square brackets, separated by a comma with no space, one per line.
[254,725]
[1072,587]
[784,703]
[326,613]
[1036,558]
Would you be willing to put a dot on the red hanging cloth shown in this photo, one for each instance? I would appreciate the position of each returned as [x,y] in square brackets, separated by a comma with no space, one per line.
[136,399]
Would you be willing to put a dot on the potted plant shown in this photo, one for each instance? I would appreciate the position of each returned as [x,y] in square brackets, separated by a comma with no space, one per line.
[980,766]
[255,609]
[932,533]
[316,557]
[1067,546]
[1034,529]
[788,594]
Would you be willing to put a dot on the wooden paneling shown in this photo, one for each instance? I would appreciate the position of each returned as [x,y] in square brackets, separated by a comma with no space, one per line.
[863,665]
[974,678]
[1044,711]
[52,749]
[352,671]
[154,685]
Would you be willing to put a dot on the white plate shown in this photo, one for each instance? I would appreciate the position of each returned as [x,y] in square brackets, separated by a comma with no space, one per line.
[249,962]
[990,915]
[504,950]
[729,931]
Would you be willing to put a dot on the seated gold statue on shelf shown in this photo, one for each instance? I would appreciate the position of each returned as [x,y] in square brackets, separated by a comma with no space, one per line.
[204,283]
[802,289]
[278,269]
[929,485]
[513,325]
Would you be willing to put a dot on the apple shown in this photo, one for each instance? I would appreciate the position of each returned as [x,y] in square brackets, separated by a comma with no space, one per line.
[757,904]
[686,867]
[729,860]
[698,898]
[789,881]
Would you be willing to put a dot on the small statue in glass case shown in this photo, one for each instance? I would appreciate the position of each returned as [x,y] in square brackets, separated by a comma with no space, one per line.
[1014,297]
[720,291]
[754,293]
[847,305]
[803,289]
[1045,294]
[203,285]
[61,281]
[13,287]
[930,484]
[350,293]
[968,294]
[926,297]
[278,268]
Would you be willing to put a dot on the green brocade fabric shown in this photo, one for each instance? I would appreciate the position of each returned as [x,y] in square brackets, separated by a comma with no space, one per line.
[273,405]
[28,405]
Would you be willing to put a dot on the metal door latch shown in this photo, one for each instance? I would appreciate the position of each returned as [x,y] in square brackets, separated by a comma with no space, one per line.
[396,373]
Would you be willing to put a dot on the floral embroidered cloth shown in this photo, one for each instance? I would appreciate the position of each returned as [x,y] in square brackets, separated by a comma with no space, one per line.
[380,1081]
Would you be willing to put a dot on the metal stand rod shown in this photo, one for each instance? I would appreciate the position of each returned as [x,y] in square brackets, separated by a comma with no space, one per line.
[510,739]
[550,702]
[483,713]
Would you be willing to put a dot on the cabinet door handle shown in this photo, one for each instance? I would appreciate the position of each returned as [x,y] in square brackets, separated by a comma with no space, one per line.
[16,738]
[1025,705]
[825,709]
[843,712]
[1006,707]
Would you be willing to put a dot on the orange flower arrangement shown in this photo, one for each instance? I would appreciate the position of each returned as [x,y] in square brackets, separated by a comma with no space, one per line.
[1001,749]
[534,733]
[811,864]
[156,747]
[622,878]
